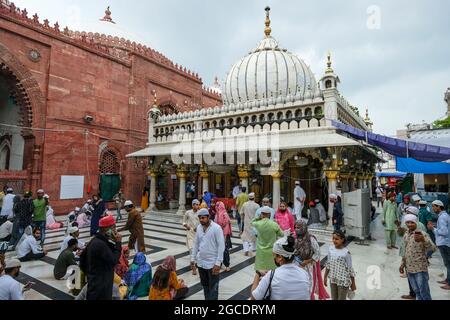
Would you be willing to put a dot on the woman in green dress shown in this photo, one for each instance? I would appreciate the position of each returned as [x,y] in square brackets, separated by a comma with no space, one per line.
[139,277]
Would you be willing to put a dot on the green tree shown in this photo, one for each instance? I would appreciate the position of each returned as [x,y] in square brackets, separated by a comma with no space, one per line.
[442,124]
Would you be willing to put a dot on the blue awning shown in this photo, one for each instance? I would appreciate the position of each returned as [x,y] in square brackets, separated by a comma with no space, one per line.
[391,174]
[414,166]
[397,147]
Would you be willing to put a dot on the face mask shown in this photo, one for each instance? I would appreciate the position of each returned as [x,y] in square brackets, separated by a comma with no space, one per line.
[276,262]
[299,233]
[283,210]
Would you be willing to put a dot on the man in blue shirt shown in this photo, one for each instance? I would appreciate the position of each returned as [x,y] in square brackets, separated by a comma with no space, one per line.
[442,237]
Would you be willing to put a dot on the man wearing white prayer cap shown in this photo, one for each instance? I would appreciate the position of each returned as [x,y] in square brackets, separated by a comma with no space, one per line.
[248,213]
[10,288]
[299,200]
[442,234]
[73,233]
[414,260]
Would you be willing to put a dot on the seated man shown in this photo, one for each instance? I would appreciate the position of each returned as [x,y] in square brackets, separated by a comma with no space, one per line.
[6,231]
[65,260]
[72,216]
[30,249]
[74,233]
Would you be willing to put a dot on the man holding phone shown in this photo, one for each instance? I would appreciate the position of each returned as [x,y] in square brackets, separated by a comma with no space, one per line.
[99,259]
[9,286]
[417,244]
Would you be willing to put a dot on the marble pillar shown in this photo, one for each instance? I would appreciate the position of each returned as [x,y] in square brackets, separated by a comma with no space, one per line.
[152,204]
[243,176]
[181,174]
[276,190]
[332,184]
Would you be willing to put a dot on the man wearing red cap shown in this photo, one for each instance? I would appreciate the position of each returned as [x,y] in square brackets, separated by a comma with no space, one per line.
[99,259]
[390,221]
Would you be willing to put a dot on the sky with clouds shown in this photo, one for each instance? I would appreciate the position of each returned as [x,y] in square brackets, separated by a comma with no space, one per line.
[391,56]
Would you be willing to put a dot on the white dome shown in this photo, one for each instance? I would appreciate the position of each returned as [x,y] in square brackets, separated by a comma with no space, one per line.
[268,71]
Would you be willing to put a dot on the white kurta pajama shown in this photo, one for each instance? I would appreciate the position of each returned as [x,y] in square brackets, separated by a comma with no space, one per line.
[190,219]
[248,236]
[298,206]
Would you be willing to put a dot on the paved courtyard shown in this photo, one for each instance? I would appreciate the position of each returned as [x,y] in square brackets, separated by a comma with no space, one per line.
[376,268]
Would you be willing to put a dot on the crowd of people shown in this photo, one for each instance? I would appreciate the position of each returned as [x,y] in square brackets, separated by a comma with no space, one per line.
[409,219]
[287,256]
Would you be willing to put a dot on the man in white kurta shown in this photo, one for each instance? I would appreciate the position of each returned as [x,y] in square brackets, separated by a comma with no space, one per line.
[299,200]
[190,223]
[248,213]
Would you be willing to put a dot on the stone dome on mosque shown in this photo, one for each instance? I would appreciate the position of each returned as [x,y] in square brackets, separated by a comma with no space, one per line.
[269,71]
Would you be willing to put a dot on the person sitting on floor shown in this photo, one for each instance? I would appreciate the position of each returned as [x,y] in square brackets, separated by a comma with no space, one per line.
[166,285]
[74,233]
[10,288]
[65,260]
[51,222]
[6,231]
[139,277]
[30,249]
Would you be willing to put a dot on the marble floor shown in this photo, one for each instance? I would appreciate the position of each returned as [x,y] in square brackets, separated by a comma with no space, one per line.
[376,267]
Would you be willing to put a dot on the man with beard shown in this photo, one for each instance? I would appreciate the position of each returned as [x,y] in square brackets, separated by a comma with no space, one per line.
[10,288]
[207,254]
[99,259]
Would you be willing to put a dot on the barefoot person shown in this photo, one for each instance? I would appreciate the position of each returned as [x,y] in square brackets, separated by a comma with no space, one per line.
[190,223]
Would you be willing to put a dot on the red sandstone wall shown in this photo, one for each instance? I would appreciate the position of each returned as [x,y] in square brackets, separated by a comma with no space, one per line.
[76,81]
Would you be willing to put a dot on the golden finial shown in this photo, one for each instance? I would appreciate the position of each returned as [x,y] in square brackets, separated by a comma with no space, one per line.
[268,30]
[329,69]
[155,101]
[367,119]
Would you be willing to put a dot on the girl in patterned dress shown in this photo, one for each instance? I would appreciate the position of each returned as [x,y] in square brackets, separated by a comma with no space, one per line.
[339,268]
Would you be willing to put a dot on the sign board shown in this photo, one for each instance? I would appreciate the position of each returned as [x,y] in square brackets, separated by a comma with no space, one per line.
[71,187]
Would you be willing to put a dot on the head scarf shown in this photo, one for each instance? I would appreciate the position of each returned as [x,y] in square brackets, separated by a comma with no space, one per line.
[169,264]
[137,270]
[303,246]
[279,250]
[122,267]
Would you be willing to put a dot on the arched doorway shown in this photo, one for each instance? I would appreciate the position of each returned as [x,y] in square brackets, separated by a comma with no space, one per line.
[110,180]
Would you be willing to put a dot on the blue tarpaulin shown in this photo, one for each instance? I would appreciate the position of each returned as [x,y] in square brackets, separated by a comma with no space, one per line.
[413,166]
[398,147]
[391,174]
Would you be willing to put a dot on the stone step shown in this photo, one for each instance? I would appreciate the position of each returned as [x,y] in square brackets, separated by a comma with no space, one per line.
[166,215]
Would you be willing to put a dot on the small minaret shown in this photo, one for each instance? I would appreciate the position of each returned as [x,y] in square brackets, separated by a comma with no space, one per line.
[330,79]
[107,17]
[447,99]
[367,121]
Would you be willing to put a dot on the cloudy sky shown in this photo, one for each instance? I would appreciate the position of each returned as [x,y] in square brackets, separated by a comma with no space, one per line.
[391,56]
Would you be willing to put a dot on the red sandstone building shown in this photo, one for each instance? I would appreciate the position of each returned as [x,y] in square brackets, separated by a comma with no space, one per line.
[75,103]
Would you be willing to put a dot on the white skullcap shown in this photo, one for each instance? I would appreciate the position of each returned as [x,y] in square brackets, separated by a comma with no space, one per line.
[423,202]
[203,212]
[72,230]
[77,209]
[410,218]
[266,209]
[297,183]
[333,196]
[46,196]
[9,190]
[251,195]
[416,198]
[12,263]
[128,203]
[278,248]
[412,210]
[40,191]
[254,180]
[195,201]
[438,203]
[89,200]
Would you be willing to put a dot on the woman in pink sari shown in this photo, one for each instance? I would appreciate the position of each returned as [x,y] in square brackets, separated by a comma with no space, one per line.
[284,218]
[223,220]
[307,255]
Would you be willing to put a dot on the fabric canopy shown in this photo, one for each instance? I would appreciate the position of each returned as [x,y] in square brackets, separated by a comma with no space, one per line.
[414,166]
[391,174]
[398,147]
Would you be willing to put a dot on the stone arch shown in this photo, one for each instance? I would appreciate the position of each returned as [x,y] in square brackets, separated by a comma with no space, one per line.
[28,92]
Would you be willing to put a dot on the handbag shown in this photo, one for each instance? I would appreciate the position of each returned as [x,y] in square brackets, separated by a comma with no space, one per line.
[269,288]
